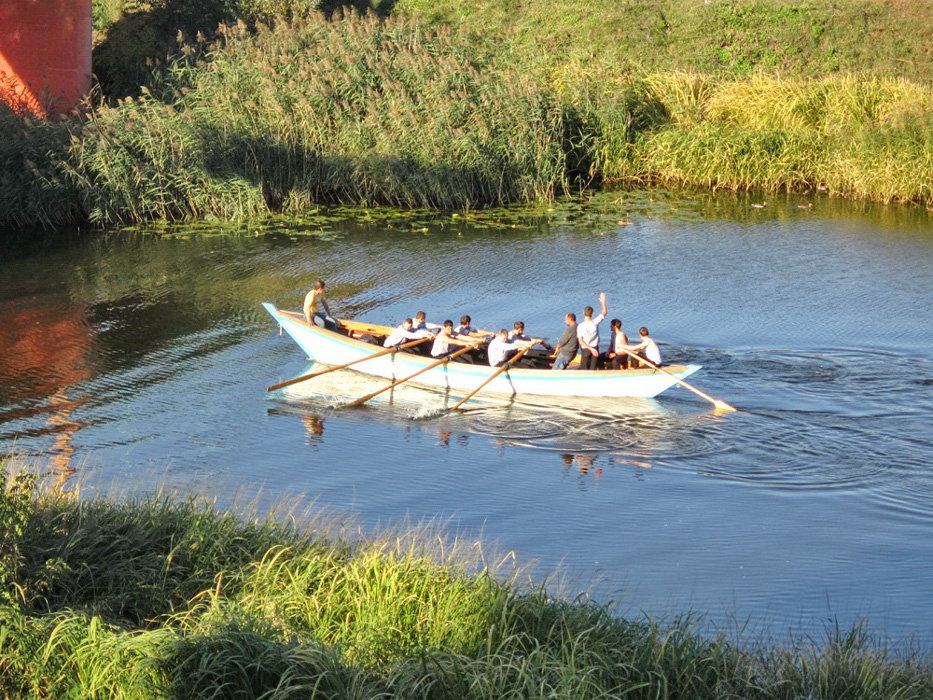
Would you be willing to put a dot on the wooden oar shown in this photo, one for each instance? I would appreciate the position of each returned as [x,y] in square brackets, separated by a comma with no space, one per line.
[499,370]
[722,405]
[387,351]
[441,361]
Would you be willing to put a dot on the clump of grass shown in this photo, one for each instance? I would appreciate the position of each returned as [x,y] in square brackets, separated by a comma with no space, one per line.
[33,190]
[357,110]
[855,136]
[192,601]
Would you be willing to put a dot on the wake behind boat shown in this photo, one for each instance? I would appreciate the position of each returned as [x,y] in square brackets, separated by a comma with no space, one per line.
[355,346]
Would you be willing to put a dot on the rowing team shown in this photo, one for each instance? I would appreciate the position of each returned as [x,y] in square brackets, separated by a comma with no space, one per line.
[503,346]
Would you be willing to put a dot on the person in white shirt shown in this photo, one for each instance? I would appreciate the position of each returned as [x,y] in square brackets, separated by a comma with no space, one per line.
[501,349]
[588,335]
[647,348]
[422,327]
[401,334]
[446,337]
[518,333]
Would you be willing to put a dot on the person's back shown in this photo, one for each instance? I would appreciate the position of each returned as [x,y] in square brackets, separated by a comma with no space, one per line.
[588,335]
[647,348]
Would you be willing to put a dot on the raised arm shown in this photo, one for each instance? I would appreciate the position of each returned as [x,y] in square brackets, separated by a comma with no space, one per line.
[602,302]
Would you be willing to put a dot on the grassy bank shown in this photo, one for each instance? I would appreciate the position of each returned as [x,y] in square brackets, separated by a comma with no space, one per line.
[413,113]
[722,38]
[161,598]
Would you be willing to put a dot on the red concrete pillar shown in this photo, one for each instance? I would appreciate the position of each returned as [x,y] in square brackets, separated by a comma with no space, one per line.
[45,54]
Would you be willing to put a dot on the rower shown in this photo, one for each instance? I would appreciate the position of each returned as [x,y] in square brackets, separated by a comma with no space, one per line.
[501,349]
[446,337]
[401,334]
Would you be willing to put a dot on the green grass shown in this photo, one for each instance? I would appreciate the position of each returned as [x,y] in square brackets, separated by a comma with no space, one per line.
[424,111]
[724,38]
[164,597]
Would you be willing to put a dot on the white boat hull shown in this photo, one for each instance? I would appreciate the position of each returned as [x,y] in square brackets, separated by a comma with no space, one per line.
[332,348]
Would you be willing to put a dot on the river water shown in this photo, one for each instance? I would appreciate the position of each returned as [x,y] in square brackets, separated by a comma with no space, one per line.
[139,359]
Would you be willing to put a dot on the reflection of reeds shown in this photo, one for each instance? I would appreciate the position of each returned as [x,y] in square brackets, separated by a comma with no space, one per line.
[161,598]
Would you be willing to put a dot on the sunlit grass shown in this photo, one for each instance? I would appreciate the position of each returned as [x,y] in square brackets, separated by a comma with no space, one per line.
[363,111]
[164,597]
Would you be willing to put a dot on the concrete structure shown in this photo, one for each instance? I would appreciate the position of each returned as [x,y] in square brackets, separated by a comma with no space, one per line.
[45,54]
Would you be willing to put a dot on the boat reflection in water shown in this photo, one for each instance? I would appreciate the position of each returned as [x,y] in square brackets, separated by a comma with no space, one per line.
[585,434]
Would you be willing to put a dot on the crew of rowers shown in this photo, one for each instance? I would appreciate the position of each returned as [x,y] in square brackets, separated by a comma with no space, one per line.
[582,338]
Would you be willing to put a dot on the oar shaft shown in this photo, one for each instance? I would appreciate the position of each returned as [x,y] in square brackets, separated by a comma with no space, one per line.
[499,370]
[387,351]
[411,376]
[716,402]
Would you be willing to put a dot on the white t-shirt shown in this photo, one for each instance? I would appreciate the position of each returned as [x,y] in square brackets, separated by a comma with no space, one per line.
[498,350]
[441,346]
[652,351]
[400,335]
[588,331]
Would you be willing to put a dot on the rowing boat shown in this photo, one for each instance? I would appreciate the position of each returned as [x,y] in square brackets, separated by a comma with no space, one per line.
[336,348]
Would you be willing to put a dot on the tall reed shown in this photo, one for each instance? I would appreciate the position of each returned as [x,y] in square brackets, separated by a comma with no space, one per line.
[352,111]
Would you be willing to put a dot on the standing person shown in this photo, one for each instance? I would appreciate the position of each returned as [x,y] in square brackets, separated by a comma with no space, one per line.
[588,335]
[567,344]
[446,337]
[647,348]
[316,310]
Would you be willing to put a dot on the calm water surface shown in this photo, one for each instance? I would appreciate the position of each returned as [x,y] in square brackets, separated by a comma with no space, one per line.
[140,359]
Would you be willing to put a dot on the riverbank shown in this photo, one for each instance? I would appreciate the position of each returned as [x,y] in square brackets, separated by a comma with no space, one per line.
[149,597]
[404,113]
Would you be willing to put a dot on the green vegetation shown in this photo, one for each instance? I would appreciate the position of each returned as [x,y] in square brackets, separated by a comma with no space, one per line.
[722,38]
[420,110]
[166,598]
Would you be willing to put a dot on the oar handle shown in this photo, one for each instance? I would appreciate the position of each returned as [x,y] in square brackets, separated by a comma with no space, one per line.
[499,370]
[722,405]
[388,351]
[366,398]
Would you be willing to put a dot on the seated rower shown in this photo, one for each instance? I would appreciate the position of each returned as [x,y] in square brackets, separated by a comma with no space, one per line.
[518,333]
[420,325]
[616,357]
[446,338]
[501,349]
[402,334]
[466,329]
[647,349]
